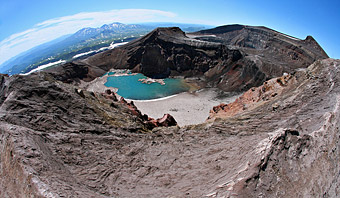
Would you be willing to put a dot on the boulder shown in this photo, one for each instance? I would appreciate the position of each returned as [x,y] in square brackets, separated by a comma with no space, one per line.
[111,95]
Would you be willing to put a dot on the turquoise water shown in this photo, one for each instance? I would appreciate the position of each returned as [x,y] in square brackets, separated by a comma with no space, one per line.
[108,73]
[129,87]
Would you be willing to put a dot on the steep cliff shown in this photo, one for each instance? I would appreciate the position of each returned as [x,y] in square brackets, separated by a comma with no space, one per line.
[233,58]
[273,52]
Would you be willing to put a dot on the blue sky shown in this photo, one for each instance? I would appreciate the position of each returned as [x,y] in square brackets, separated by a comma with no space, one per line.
[25,24]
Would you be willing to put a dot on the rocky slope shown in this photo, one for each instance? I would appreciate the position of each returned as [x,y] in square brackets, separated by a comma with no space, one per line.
[268,47]
[233,58]
[60,141]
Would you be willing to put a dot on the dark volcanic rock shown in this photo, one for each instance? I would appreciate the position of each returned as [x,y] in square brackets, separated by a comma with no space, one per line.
[273,52]
[73,72]
[161,51]
[150,123]
[233,58]
[110,95]
[167,120]
[167,51]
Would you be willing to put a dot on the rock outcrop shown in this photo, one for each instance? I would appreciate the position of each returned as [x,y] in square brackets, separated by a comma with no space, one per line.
[255,97]
[166,121]
[271,52]
[110,95]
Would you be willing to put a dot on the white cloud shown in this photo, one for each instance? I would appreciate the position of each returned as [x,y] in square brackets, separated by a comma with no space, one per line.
[54,28]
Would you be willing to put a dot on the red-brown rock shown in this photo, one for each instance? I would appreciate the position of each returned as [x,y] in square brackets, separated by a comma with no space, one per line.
[110,95]
[166,121]
[254,97]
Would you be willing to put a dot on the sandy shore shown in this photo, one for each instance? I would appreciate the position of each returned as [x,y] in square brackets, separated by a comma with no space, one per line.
[97,85]
[186,108]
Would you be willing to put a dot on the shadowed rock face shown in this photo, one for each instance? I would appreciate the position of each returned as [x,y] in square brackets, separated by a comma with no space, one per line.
[273,52]
[163,51]
[233,58]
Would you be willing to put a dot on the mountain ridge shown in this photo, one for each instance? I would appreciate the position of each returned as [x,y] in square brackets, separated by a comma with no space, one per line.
[231,60]
[238,28]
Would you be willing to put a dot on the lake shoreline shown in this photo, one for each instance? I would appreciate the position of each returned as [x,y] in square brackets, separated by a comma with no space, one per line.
[136,86]
[188,108]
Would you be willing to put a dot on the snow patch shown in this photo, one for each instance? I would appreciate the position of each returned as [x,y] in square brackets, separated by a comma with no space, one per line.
[290,37]
[112,45]
[44,66]
[198,36]
[153,100]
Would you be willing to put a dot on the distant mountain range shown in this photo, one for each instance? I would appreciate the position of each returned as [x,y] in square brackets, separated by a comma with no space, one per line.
[83,43]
